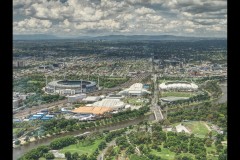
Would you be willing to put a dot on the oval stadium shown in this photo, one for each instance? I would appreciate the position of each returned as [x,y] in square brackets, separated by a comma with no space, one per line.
[179,86]
[69,87]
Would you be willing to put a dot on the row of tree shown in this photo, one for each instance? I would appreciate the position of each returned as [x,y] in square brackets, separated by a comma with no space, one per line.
[215,113]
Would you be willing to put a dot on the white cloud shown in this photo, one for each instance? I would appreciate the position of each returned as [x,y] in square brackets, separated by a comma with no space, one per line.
[128,16]
[189,30]
[32,24]
[144,10]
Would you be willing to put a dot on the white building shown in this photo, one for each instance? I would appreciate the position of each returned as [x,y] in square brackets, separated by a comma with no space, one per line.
[112,103]
[115,96]
[76,98]
[135,90]
[182,86]
[91,99]
[65,91]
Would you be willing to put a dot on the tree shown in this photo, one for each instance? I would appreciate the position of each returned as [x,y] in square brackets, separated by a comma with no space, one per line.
[68,155]
[201,156]
[17,142]
[49,156]
[83,157]
[102,145]
[208,142]
[222,156]
[166,122]
[110,152]
[75,156]
[26,139]
[130,150]
[219,148]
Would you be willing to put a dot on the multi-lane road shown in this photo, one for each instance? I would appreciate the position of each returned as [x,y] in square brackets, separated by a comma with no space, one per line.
[155,108]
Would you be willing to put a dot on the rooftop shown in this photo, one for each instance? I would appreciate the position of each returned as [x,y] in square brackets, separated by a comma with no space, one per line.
[93,110]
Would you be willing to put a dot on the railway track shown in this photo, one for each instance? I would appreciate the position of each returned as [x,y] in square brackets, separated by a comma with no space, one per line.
[23,113]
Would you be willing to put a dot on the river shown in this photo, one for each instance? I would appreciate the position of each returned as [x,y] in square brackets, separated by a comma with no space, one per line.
[18,152]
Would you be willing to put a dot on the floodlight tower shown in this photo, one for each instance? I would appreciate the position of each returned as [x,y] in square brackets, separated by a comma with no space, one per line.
[81,86]
[98,81]
[46,80]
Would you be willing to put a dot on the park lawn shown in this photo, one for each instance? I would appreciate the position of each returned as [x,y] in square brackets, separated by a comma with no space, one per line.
[164,154]
[210,155]
[136,157]
[134,101]
[177,94]
[117,78]
[80,149]
[34,82]
[197,127]
[42,158]
[16,130]
[212,148]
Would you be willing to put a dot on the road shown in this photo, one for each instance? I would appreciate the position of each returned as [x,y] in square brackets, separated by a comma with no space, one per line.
[155,108]
[101,155]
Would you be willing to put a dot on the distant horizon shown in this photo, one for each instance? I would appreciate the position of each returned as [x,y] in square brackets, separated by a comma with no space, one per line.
[108,35]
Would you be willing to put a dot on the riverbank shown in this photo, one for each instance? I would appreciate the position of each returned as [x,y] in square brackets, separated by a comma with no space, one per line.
[19,151]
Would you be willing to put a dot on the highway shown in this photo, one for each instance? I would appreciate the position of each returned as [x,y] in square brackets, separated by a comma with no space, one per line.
[155,108]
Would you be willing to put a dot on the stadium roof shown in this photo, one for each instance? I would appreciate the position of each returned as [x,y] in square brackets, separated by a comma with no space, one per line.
[92,110]
[178,85]
[113,103]
[136,88]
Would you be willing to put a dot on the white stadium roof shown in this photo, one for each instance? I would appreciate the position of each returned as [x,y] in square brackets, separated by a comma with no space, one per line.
[113,103]
[136,88]
[178,85]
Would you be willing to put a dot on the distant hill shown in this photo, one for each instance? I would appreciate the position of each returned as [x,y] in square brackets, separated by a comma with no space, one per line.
[112,37]
[150,37]
[34,37]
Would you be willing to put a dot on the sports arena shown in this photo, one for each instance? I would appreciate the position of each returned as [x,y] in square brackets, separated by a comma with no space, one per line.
[178,86]
[70,87]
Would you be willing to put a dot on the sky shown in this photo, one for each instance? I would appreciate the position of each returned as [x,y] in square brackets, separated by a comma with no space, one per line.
[201,18]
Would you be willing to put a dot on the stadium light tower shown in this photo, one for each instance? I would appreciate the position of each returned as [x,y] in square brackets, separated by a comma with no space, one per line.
[46,80]
[98,81]
[81,86]
[64,76]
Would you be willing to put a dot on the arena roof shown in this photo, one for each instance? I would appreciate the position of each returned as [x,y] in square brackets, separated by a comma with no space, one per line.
[113,103]
[70,83]
[92,110]
[178,85]
[172,98]
[136,88]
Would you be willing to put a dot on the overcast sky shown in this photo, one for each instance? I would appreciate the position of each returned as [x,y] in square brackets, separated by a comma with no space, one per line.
[125,17]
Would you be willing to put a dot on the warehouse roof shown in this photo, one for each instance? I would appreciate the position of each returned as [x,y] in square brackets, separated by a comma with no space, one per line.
[92,110]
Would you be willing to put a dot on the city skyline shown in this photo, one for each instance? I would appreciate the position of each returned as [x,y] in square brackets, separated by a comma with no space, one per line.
[202,18]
